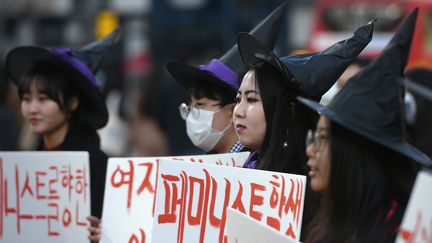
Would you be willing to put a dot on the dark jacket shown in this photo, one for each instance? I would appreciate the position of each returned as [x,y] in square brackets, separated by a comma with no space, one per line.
[76,140]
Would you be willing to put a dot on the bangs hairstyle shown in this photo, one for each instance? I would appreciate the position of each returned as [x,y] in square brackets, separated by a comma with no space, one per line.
[212,91]
[50,81]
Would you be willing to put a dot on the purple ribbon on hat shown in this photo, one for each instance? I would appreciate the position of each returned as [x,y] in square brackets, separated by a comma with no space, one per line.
[221,71]
[66,55]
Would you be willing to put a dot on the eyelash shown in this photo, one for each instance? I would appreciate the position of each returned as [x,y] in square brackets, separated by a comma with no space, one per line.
[249,100]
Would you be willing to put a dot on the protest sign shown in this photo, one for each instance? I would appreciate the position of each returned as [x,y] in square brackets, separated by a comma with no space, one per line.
[243,229]
[417,221]
[44,196]
[130,193]
[191,201]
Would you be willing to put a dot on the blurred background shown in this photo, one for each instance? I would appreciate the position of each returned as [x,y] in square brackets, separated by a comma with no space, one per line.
[142,97]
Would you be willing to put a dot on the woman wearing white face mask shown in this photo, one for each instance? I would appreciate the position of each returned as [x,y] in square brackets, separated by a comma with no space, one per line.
[208,121]
[211,91]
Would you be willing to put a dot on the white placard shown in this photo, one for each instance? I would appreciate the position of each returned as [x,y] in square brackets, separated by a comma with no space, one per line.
[44,196]
[130,193]
[243,229]
[191,201]
[417,222]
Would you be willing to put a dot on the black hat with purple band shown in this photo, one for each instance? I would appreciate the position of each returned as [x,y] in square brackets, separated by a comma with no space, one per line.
[81,65]
[222,71]
[371,103]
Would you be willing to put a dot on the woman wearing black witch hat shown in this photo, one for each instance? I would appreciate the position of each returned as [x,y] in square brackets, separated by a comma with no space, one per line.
[60,98]
[268,118]
[211,90]
[358,156]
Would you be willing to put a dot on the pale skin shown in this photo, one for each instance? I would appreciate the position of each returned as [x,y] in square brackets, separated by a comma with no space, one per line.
[249,119]
[94,229]
[48,120]
[45,116]
[319,156]
[221,120]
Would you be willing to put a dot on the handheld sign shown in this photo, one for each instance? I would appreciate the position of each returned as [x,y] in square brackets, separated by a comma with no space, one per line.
[192,199]
[130,193]
[417,221]
[243,229]
[44,196]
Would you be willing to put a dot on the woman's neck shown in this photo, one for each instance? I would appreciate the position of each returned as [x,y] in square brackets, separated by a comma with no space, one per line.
[56,137]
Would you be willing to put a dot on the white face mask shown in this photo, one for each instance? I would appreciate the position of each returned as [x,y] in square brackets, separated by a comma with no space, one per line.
[200,131]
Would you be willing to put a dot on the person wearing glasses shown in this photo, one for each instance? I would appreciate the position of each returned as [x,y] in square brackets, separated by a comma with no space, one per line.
[359,158]
[268,118]
[211,90]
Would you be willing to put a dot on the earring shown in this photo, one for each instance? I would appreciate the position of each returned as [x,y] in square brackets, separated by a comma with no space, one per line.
[285,144]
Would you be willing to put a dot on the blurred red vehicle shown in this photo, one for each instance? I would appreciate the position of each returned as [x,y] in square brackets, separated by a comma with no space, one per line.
[335,20]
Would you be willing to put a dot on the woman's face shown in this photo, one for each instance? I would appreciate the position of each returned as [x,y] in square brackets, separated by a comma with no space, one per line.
[43,113]
[249,119]
[318,152]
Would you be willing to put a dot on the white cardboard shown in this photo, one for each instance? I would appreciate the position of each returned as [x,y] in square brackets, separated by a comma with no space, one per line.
[53,198]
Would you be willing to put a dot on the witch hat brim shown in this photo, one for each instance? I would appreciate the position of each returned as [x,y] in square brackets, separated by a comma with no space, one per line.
[189,76]
[267,31]
[370,104]
[312,74]
[22,60]
[353,125]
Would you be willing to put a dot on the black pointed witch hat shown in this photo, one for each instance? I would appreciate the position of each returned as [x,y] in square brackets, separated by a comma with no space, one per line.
[371,103]
[222,71]
[81,65]
[309,75]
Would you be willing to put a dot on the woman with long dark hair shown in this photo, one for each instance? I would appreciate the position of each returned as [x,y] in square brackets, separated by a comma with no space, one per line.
[211,89]
[60,98]
[359,157]
[268,118]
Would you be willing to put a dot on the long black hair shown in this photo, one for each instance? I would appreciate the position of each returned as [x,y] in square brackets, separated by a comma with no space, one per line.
[58,86]
[287,122]
[369,186]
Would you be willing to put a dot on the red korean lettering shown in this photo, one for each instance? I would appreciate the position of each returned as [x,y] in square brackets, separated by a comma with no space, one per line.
[146,183]
[199,160]
[171,202]
[293,204]
[52,192]
[26,186]
[175,195]
[277,199]
[120,178]
[420,233]
[238,203]
[195,219]
[136,239]
[214,221]
[52,217]
[81,182]
[66,179]
[67,217]
[256,200]
[39,185]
